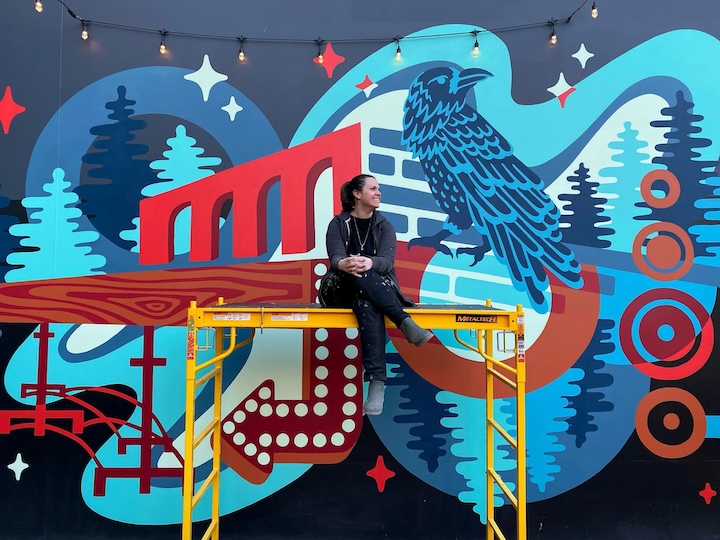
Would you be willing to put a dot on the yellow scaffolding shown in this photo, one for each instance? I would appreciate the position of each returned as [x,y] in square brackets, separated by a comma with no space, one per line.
[484,320]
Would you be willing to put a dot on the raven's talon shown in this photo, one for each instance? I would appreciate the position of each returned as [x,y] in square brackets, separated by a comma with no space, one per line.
[430,242]
[477,252]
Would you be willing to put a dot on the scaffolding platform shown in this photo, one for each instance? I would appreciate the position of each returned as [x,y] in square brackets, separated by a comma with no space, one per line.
[485,320]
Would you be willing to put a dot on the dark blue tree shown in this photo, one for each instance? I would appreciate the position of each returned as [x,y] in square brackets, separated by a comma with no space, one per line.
[707,230]
[588,401]
[583,225]
[111,203]
[8,242]
[423,409]
[679,156]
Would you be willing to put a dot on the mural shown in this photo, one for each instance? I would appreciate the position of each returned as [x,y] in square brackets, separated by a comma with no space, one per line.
[151,186]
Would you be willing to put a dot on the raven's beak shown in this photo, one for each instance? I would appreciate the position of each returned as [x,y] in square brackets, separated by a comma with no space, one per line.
[469,77]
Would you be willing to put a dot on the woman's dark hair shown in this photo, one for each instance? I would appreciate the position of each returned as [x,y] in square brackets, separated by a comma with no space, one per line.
[346,191]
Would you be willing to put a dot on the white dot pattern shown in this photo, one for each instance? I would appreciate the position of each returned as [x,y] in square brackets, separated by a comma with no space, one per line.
[337,439]
[283,439]
[282,410]
[319,440]
[266,410]
[265,439]
[301,409]
[301,440]
[350,371]
[320,408]
[349,408]
[239,438]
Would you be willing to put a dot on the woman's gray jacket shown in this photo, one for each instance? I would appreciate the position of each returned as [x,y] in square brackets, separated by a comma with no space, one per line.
[384,243]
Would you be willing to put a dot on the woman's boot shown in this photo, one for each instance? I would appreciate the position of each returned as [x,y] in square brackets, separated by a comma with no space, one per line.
[415,334]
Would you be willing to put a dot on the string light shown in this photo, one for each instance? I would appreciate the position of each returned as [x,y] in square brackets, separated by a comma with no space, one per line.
[241,52]
[396,39]
[319,42]
[163,49]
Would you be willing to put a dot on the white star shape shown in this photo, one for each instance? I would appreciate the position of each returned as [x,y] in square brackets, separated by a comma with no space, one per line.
[206,77]
[583,55]
[560,87]
[18,466]
[369,89]
[232,108]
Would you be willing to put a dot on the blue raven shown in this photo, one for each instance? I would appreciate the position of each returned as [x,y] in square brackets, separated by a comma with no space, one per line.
[477,181]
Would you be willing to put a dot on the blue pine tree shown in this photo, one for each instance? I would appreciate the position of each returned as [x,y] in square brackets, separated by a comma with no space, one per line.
[111,203]
[590,401]
[60,249]
[584,224]
[183,164]
[622,188]
[679,156]
[546,415]
[426,415]
[469,430]
[707,230]
[8,242]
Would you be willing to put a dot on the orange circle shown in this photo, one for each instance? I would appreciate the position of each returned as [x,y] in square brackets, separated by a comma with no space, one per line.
[663,252]
[671,421]
[665,395]
[664,259]
[671,182]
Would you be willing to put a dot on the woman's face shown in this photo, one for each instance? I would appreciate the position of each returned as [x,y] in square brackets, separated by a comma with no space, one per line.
[369,196]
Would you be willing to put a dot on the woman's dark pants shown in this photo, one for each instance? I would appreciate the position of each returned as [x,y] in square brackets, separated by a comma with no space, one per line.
[376,298]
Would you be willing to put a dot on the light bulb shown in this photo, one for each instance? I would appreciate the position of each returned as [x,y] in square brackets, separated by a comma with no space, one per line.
[163,49]
[594,11]
[553,38]
[320,59]
[476,49]
[38,6]
[241,55]
[84,34]
[398,53]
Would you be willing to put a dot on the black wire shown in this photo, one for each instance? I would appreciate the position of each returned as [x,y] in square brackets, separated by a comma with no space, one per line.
[299,40]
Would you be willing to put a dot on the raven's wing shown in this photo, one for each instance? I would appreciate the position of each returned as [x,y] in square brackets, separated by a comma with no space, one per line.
[507,203]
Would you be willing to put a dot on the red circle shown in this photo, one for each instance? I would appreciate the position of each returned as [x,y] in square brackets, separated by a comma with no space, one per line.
[660,370]
[682,340]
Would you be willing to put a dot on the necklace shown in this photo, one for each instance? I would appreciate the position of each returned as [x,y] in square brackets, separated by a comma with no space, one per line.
[367,234]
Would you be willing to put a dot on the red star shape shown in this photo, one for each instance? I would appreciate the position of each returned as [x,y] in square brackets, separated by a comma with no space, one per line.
[330,60]
[8,110]
[380,473]
[708,493]
[563,97]
[363,85]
